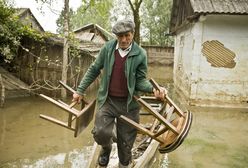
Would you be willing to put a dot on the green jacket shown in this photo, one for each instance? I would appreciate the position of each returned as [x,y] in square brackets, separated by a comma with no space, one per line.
[135,70]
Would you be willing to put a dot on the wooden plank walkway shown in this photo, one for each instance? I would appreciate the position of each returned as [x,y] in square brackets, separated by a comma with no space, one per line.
[13,87]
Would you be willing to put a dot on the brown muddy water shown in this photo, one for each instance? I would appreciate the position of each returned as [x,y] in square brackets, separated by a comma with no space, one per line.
[28,141]
[217,139]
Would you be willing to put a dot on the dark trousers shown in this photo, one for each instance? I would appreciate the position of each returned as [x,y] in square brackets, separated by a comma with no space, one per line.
[104,124]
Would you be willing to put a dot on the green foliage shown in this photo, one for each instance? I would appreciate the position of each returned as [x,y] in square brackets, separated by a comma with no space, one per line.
[121,9]
[154,16]
[96,12]
[156,22]
[91,11]
[11,32]
[60,21]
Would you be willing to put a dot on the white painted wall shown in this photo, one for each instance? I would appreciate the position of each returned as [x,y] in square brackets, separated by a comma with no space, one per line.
[201,83]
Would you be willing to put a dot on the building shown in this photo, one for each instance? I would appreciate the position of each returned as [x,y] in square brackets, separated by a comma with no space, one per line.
[27,18]
[94,33]
[210,60]
[37,61]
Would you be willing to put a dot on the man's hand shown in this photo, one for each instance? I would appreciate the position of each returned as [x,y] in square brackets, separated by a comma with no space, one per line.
[77,98]
[161,93]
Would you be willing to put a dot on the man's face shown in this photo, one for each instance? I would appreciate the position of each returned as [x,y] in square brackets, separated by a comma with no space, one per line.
[125,39]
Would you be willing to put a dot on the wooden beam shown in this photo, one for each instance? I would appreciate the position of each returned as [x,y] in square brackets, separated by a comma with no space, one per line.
[58,122]
[62,106]
[94,156]
[141,129]
[158,116]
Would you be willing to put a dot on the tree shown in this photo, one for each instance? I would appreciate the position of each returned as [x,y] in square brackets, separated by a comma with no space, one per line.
[65,46]
[152,23]
[120,10]
[135,6]
[84,15]
[60,21]
[9,32]
[97,12]
[12,31]
[65,21]
[66,32]
[66,26]
[156,23]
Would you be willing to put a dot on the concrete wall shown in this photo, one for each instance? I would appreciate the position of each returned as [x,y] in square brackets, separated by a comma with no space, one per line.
[159,54]
[203,80]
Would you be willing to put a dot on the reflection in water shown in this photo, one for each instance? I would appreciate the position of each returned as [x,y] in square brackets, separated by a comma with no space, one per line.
[3,130]
[27,139]
[74,159]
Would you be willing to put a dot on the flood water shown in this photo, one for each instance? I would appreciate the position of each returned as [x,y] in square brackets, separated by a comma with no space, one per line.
[28,141]
[217,137]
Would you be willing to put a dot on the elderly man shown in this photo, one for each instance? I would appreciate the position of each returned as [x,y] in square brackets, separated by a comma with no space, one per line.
[124,67]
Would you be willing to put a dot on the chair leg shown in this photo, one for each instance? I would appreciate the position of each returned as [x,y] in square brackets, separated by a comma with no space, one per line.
[141,129]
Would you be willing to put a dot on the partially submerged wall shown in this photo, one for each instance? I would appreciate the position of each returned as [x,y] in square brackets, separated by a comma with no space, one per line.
[40,65]
[211,58]
[159,55]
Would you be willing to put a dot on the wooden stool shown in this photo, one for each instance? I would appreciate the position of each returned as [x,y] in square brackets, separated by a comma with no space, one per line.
[173,124]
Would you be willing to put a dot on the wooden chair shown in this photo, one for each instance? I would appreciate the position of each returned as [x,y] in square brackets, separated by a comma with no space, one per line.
[81,117]
[172,124]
